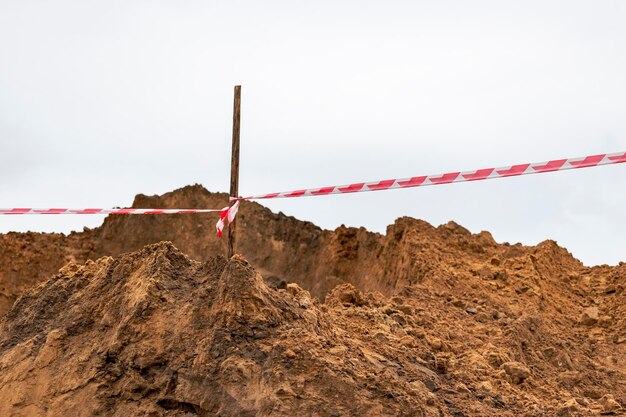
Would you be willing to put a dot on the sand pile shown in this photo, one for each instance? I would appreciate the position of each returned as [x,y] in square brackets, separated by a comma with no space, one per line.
[420,321]
[154,333]
[289,249]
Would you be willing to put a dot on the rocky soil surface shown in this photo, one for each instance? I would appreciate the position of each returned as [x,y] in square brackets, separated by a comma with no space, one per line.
[421,321]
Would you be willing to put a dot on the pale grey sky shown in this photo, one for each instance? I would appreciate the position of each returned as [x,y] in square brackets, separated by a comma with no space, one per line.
[101,100]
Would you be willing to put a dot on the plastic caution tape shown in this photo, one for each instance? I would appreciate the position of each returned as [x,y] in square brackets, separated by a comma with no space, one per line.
[226,213]
[452,177]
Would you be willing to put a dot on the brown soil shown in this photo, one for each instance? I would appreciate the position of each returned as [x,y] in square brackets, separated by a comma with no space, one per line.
[419,321]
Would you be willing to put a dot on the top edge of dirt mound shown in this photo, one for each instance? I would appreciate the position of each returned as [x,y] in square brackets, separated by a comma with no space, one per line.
[189,196]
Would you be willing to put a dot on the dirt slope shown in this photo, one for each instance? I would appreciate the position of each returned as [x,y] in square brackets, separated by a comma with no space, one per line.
[297,251]
[274,242]
[155,333]
[427,320]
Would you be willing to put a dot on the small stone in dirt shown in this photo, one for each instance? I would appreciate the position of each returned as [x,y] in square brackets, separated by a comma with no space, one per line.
[293,289]
[290,354]
[407,341]
[570,408]
[338,350]
[497,315]
[461,387]
[485,386]
[405,309]
[435,343]
[482,317]
[431,385]
[470,310]
[458,303]
[589,316]
[609,404]
[516,371]
[347,295]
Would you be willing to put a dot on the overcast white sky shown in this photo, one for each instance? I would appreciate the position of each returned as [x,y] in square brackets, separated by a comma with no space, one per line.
[101,100]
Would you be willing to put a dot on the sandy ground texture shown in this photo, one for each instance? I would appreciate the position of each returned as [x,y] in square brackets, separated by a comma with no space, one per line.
[420,321]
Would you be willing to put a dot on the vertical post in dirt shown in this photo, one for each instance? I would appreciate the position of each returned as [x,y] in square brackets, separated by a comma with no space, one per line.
[234,165]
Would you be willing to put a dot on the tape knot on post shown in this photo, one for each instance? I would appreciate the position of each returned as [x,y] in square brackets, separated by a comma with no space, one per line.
[226,214]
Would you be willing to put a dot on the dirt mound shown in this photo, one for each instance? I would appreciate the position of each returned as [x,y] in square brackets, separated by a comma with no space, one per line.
[420,321]
[155,333]
[27,259]
[285,248]
[276,244]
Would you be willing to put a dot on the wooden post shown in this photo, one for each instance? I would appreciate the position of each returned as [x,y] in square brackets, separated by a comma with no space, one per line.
[234,165]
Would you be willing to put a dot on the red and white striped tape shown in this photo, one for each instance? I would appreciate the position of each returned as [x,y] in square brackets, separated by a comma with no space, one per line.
[105,211]
[226,213]
[229,213]
[451,177]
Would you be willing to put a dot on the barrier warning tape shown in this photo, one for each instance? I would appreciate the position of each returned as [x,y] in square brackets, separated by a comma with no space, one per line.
[229,213]
[226,213]
[105,211]
[452,177]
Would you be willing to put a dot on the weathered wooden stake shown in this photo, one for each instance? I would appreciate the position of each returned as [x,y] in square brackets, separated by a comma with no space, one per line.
[234,166]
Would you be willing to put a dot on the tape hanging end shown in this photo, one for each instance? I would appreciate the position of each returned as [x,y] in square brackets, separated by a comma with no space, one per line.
[232,212]
[226,214]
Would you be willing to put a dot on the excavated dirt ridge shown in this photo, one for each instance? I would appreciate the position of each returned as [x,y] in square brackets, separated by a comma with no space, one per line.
[421,321]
